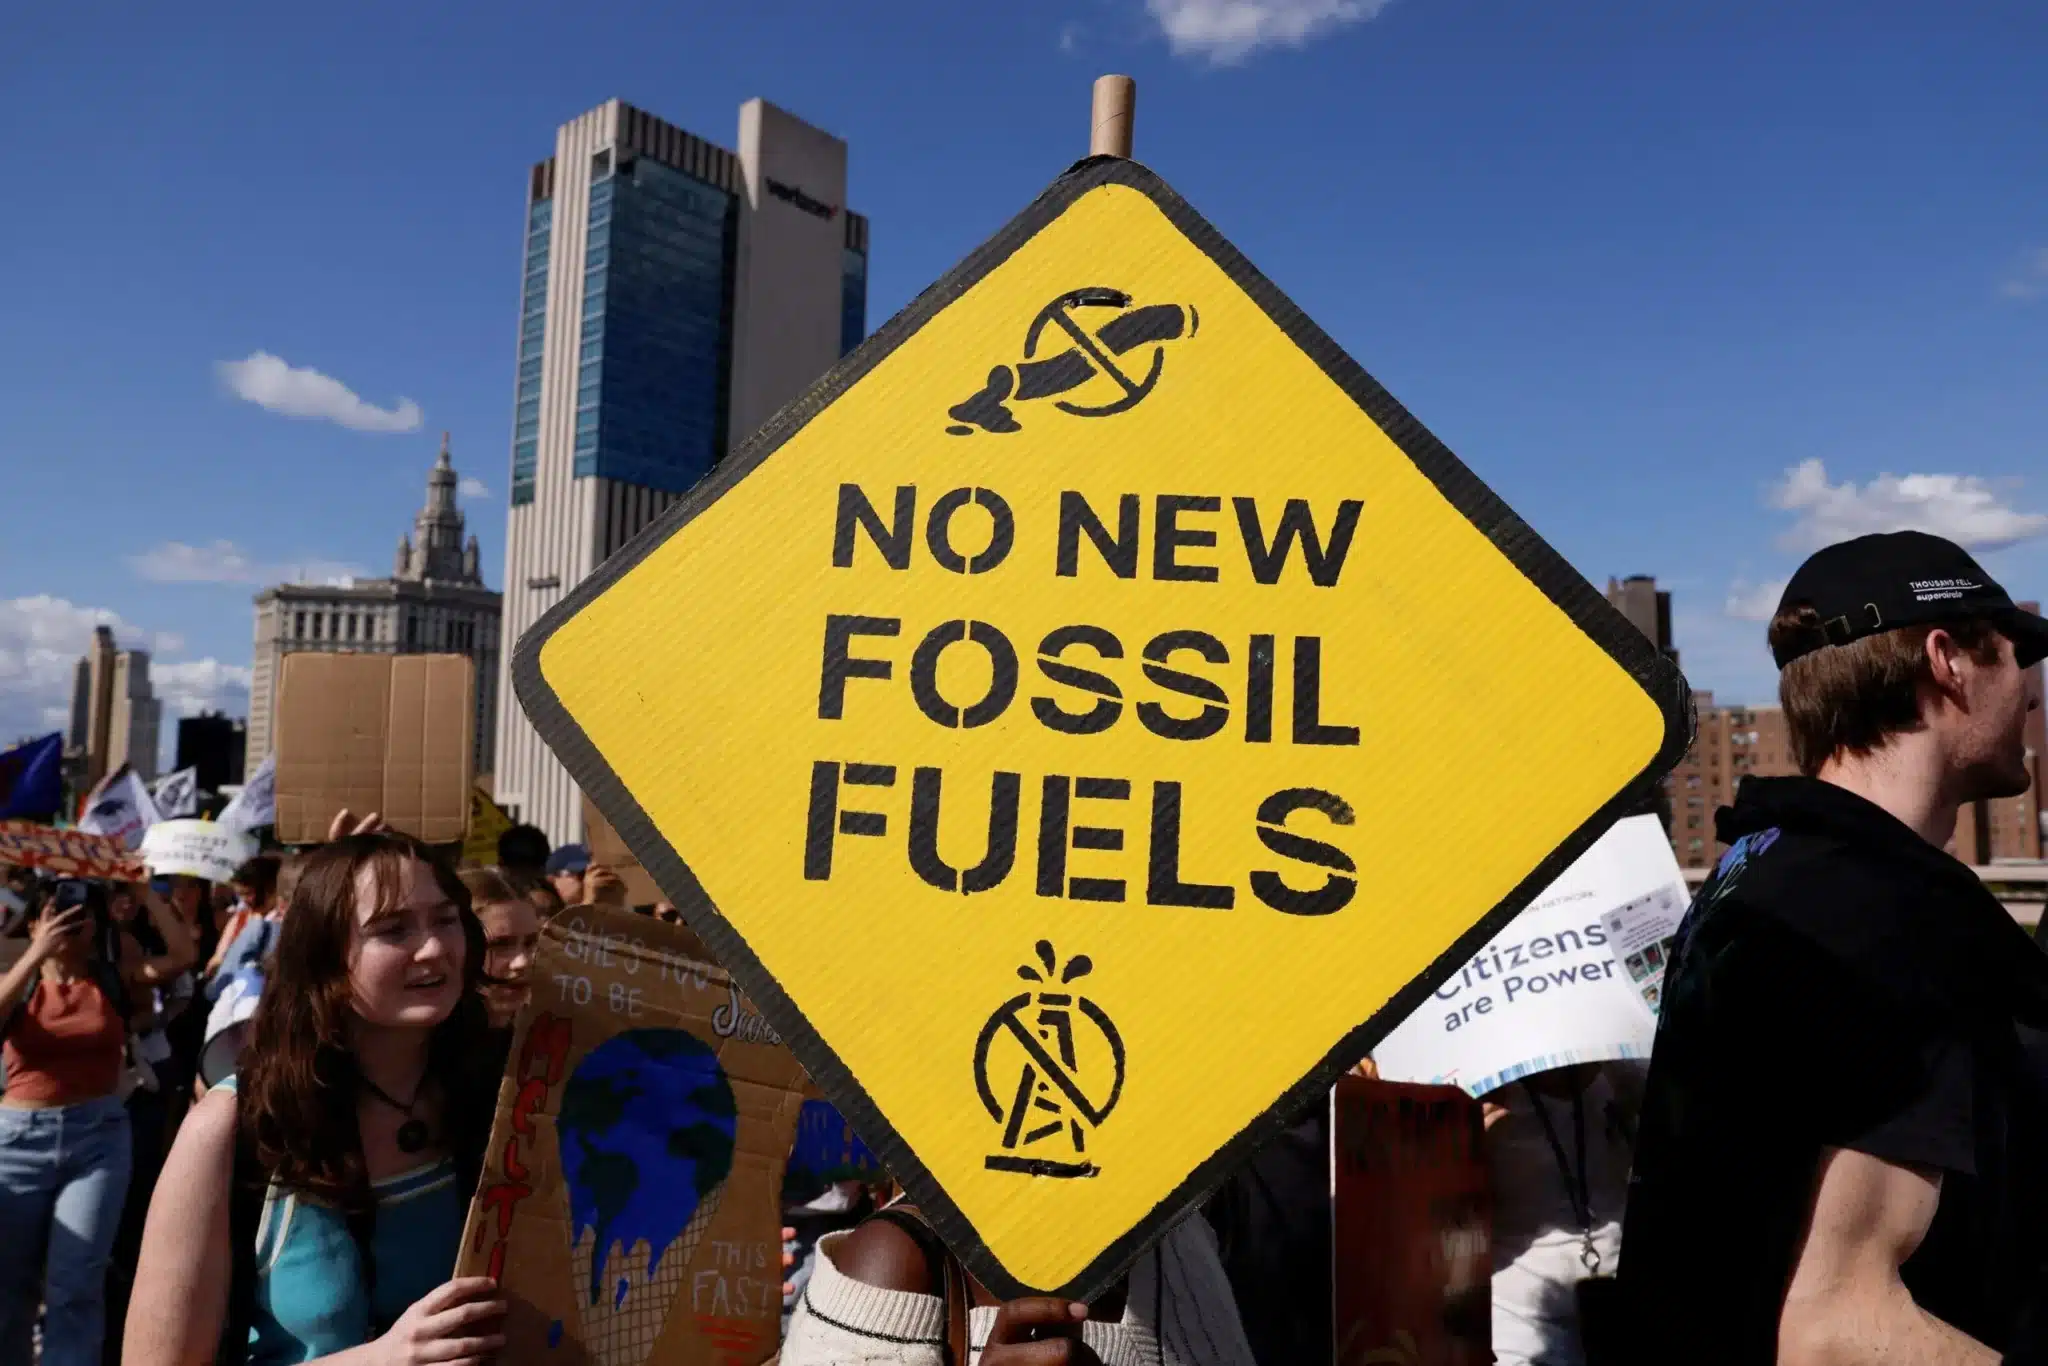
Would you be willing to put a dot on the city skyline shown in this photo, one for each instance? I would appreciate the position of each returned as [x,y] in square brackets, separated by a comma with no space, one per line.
[1683,334]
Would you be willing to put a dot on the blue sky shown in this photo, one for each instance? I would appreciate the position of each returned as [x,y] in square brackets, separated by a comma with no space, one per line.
[1637,263]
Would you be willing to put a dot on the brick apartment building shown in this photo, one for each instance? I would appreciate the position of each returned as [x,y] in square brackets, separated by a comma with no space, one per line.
[1733,743]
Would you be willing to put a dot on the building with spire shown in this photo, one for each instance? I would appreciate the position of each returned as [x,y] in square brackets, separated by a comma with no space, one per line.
[434,602]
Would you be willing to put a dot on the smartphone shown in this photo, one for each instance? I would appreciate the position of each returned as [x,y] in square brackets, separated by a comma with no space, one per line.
[76,893]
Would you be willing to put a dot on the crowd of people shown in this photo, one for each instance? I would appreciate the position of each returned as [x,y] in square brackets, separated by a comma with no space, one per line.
[242,1123]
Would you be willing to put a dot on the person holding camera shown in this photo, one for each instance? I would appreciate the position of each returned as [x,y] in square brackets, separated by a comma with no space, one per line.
[64,1133]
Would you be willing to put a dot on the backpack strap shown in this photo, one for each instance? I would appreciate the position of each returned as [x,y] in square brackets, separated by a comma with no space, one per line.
[245,1218]
[948,1277]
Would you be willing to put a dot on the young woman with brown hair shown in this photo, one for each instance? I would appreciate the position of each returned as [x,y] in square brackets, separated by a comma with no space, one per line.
[365,1093]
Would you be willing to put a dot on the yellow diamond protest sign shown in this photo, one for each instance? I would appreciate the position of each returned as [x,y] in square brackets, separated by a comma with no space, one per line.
[1090,719]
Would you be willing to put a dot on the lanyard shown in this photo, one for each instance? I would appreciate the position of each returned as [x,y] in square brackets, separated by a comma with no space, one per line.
[1579,1190]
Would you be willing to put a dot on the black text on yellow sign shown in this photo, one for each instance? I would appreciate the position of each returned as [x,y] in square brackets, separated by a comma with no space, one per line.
[1181,684]
[1089,719]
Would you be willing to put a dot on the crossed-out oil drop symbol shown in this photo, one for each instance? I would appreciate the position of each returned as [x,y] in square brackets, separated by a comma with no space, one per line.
[1068,1061]
[1090,354]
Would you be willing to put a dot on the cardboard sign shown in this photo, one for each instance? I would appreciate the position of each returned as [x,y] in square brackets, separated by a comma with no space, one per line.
[1105,648]
[67,853]
[630,1205]
[608,850]
[487,821]
[1411,1249]
[1562,984]
[364,732]
[196,848]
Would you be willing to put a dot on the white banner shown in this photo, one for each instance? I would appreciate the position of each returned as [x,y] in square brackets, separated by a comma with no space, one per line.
[1569,981]
[205,849]
[256,803]
[120,806]
[177,794]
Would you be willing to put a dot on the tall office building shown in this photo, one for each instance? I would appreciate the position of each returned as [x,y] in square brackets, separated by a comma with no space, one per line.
[676,294]
[115,714]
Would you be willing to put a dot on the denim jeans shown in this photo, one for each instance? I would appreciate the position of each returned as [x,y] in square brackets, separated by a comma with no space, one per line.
[63,1178]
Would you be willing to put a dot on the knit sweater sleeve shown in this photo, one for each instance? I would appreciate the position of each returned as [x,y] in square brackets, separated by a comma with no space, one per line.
[840,1321]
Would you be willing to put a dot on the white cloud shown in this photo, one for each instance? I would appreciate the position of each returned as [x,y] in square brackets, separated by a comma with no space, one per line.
[2029,279]
[1070,37]
[301,391]
[1962,507]
[1227,31]
[472,487]
[225,562]
[191,686]
[1753,601]
[41,639]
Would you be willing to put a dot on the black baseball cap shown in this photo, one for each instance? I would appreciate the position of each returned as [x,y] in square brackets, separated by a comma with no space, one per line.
[1879,583]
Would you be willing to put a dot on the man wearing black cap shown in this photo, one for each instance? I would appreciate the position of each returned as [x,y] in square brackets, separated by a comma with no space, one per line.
[1835,1160]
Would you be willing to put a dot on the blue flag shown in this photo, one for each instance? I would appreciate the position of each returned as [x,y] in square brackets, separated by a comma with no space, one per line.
[32,778]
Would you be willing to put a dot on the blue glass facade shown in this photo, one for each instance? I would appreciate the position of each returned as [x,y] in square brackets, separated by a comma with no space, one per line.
[652,375]
[533,317]
[853,300]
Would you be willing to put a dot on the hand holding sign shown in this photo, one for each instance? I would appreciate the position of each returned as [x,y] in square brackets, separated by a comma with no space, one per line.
[1039,1332]
[345,824]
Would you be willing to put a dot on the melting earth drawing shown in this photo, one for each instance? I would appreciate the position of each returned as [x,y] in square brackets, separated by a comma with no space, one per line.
[647,1128]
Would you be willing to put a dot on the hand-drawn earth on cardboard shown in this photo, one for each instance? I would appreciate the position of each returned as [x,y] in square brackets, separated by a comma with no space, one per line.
[647,1125]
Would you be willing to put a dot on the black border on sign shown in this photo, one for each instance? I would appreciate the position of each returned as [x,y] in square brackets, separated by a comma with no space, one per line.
[1527,551]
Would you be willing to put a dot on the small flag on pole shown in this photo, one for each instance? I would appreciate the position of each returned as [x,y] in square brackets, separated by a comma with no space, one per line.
[120,807]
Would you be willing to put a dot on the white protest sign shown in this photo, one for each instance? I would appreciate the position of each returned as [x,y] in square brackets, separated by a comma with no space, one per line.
[1554,988]
[256,804]
[205,849]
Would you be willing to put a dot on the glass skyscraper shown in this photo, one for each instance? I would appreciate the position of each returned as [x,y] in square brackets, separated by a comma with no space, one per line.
[673,295]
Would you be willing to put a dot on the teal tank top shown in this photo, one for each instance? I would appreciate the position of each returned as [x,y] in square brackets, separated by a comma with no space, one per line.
[309,1299]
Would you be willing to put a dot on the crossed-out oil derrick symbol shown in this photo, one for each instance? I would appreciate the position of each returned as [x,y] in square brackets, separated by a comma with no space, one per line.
[1089,354]
[1068,1060]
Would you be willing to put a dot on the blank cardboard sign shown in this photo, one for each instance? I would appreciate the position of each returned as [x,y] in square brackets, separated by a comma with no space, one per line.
[370,732]
[1063,721]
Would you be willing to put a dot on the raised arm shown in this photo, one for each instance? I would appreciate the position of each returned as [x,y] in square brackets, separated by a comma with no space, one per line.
[1846,1305]
[181,950]
[43,938]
